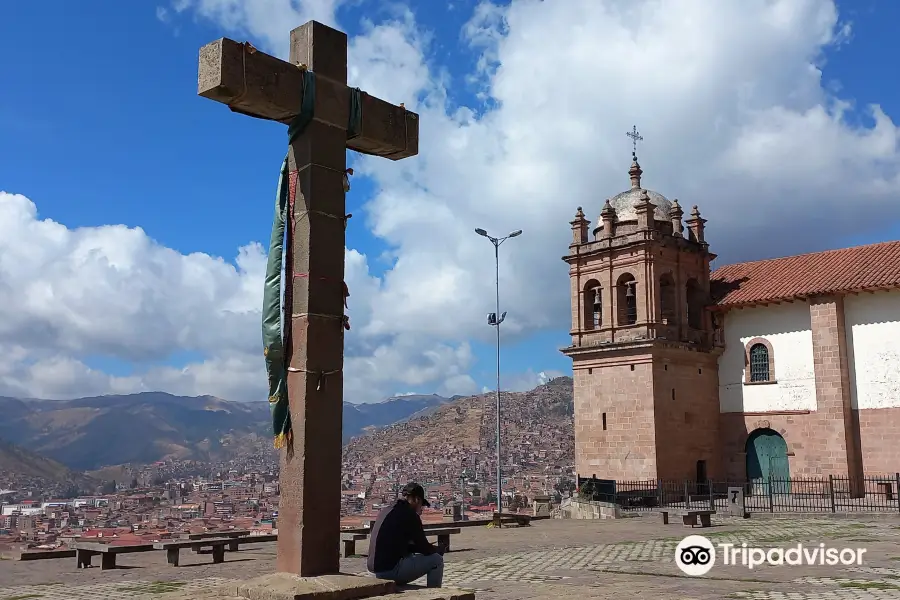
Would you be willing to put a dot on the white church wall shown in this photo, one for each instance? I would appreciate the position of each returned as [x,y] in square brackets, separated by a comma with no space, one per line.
[873,346]
[787,328]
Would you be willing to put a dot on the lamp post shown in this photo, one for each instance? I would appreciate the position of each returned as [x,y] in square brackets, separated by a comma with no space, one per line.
[494,319]
[462,489]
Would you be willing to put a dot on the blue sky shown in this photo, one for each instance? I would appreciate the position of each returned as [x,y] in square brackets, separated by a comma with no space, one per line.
[100,124]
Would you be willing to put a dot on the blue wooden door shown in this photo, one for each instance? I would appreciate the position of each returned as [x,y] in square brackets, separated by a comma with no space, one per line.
[767,460]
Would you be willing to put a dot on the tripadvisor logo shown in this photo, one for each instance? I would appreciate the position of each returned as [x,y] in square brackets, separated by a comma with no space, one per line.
[695,555]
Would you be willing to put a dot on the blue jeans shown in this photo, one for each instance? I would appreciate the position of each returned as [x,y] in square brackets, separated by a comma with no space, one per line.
[414,566]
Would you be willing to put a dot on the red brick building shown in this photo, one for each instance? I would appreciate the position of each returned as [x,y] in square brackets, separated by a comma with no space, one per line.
[785,367]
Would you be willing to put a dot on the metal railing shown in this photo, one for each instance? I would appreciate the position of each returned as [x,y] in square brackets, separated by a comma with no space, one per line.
[832,494]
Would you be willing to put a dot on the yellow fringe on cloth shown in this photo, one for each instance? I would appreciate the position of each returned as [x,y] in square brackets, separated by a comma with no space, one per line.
[283,438]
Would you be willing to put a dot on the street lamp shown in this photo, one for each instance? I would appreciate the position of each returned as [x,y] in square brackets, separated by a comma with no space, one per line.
[494,320]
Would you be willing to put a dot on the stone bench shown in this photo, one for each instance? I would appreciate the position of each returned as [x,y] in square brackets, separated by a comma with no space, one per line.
[238,533]
[218,545]
[499,519]
[42,554]
[349,539]
[84,551]
[688,517]
[215,534]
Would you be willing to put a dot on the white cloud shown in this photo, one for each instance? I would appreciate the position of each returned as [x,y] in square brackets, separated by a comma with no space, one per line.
[731,101]
[267,21]
[522,382]
[67,296]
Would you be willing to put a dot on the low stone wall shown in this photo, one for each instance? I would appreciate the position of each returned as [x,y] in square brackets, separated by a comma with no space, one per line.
[583,509]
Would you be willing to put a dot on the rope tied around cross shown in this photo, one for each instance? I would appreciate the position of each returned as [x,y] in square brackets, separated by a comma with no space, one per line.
[278,317]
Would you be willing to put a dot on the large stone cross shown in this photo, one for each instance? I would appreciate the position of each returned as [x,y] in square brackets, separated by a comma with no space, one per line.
[254,83]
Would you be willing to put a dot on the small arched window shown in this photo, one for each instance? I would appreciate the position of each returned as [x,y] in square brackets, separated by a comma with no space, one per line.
[667,299]
[759,363]
[694,304]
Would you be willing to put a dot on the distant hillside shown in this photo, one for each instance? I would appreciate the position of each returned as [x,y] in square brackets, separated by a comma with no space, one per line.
[538,432]
[88,433]
[91,433]
[363,418]
[15,459]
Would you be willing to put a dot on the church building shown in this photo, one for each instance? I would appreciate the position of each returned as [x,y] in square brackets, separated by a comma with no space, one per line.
[781,367]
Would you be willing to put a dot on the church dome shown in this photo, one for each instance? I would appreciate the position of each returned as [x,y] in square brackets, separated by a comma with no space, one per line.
[624,205]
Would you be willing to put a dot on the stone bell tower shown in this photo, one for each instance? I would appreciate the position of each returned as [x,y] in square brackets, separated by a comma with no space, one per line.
[644,359]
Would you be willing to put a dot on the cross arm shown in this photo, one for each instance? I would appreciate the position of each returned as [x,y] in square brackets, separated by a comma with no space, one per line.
[266,87]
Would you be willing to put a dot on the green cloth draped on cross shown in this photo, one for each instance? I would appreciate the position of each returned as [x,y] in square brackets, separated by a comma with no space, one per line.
[276,317]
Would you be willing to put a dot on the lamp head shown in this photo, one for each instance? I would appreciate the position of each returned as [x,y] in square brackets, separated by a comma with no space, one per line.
[481,232]
[516,233]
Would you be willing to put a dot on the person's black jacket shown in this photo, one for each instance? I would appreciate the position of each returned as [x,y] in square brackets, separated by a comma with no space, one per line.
[397,532]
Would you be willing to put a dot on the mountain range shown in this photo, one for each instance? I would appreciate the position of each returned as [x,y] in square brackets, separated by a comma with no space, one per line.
[90,433]
[17,460]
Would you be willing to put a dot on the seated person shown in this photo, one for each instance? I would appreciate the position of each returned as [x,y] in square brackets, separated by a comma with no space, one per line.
[398,549]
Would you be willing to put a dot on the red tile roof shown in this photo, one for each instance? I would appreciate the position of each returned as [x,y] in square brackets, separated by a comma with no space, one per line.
[876,266]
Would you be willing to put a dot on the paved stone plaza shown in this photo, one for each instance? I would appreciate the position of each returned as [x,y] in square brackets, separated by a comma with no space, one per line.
[631,558]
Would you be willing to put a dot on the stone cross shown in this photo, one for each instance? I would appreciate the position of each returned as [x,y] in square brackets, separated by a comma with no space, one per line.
[262,86]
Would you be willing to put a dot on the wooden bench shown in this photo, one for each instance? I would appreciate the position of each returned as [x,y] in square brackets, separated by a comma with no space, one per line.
[173,547]
[84,551]
[349,539]
[521,520]
[689,517]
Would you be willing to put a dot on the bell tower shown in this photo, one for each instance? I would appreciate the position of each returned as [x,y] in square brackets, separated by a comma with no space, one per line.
[645,360]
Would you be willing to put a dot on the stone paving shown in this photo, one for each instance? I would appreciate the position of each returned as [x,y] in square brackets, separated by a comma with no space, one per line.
[551,559]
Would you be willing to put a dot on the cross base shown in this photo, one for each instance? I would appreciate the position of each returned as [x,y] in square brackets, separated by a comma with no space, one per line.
[286,586]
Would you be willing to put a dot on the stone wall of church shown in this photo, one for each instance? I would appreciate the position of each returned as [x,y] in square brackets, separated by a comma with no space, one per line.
[687,415]
[614,420]
[787,331]
[835,398]
[873,346]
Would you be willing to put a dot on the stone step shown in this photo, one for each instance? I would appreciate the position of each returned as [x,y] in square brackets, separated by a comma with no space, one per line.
[401,594]
[429,594]
[283,586]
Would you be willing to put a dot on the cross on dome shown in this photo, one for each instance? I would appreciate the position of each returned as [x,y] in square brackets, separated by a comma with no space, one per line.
[635,138]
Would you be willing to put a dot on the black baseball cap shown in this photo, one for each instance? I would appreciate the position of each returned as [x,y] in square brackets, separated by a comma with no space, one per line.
[414,490]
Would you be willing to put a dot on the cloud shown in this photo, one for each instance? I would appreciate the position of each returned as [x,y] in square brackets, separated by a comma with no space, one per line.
[264,20]
[68,296]
[736,118]
[522,382]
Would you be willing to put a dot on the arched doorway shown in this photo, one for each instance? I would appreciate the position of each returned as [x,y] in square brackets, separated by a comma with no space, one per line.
[767,461]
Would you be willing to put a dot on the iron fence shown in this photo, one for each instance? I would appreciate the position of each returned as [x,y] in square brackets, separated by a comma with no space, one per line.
[873,493]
